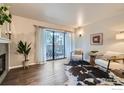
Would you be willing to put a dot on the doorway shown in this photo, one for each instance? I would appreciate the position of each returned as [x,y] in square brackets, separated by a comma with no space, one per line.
[55,45]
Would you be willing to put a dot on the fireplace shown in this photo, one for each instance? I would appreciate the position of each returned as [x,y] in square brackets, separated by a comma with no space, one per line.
[2,63]
[4,58]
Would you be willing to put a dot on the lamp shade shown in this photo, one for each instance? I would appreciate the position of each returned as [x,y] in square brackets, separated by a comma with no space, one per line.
[120,36]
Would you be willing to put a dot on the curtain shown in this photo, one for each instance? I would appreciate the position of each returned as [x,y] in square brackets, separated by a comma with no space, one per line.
[68,44]
[73,41]
[40,45]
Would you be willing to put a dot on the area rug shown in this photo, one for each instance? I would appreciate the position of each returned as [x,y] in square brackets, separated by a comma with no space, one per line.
[88,75]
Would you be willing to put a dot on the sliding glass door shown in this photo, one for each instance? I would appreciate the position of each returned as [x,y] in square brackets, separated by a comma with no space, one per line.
[59,45]
[55,45]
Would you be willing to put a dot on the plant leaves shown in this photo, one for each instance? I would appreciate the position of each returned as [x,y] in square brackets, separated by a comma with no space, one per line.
[4,16]
[23,48]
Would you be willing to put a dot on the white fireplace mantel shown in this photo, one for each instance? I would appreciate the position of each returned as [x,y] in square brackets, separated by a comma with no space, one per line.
[4,40]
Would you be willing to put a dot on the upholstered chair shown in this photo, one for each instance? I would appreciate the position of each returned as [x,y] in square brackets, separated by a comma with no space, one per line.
[77,55]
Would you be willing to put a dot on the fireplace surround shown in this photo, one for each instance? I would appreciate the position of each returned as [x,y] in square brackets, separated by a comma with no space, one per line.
[4,58]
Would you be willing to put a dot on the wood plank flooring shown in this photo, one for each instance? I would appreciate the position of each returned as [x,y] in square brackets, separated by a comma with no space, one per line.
[51,73]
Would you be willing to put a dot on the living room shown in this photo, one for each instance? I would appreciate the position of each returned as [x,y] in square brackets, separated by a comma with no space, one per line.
[94,32]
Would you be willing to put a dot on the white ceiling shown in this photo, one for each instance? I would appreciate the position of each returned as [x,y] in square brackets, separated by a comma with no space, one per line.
[73,15]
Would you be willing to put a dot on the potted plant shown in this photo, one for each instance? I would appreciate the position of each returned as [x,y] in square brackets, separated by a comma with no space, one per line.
[24,49]
[5,16]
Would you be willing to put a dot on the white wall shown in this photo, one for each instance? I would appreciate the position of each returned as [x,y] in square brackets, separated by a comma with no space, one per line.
[23,29]
[109,27]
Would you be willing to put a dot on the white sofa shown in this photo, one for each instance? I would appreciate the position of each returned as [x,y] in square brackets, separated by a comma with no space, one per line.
[114,66]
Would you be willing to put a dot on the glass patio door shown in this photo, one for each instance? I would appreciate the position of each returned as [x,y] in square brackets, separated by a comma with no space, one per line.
[59,45]
[55,45]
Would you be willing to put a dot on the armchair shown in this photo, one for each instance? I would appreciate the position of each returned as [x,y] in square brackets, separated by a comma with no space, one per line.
[77,55]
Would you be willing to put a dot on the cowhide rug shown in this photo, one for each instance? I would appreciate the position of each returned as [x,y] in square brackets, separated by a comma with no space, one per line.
[88,75]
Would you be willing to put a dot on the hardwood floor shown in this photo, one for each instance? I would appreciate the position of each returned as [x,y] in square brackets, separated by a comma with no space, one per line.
[51,73]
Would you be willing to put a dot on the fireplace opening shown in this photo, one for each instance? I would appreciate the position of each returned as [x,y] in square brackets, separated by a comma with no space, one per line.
[2,63]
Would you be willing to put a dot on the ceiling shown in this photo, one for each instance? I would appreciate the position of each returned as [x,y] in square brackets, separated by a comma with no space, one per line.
[73,15]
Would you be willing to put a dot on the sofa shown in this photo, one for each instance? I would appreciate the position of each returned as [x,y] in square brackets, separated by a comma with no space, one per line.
[116,66]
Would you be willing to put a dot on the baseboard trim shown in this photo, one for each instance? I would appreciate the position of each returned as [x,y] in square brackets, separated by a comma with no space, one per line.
[13,67]
[18,66]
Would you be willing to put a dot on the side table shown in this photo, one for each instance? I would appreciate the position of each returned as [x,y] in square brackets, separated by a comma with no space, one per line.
[92,59]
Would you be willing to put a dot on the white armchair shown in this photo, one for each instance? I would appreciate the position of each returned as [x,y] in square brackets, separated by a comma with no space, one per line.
[77,55]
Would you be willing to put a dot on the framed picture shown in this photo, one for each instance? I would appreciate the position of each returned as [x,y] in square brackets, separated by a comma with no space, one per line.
[96,39]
